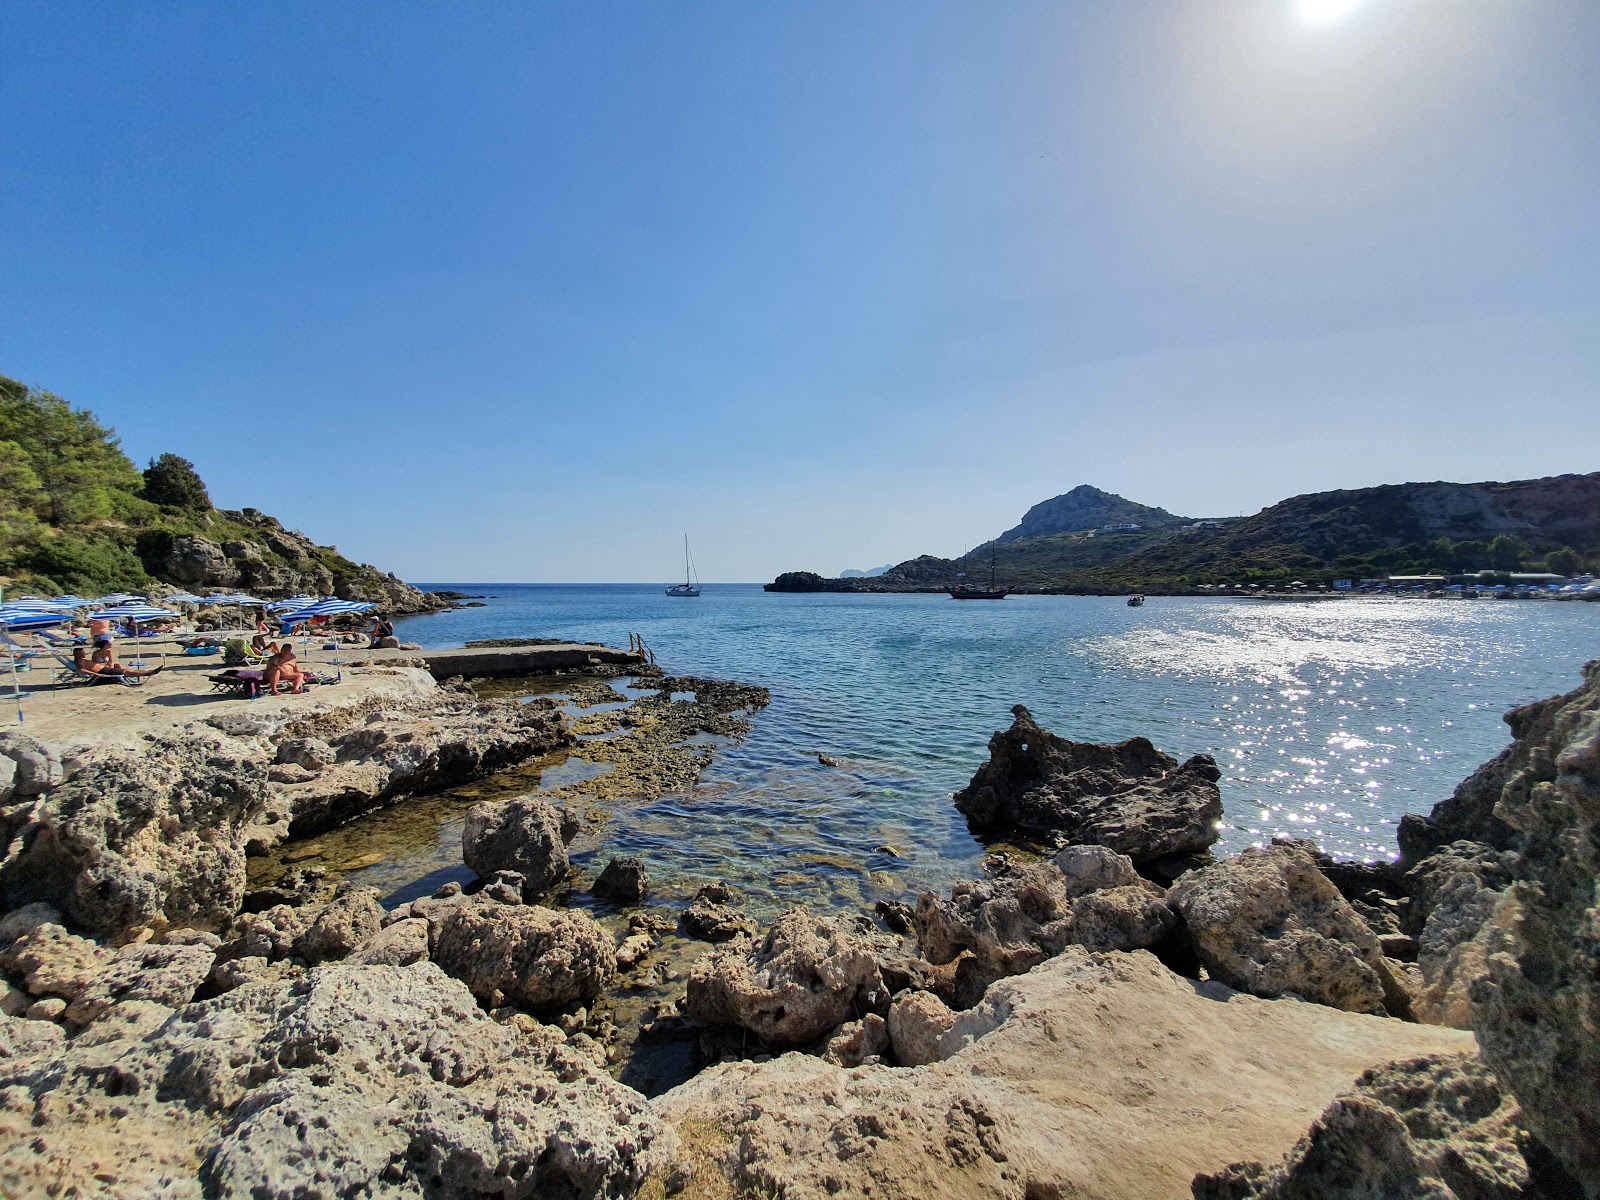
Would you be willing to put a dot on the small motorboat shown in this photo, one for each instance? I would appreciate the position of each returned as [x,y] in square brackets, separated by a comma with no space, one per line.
[1136,600]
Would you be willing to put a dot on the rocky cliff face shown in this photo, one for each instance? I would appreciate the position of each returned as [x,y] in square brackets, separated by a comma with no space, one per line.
[1086,507]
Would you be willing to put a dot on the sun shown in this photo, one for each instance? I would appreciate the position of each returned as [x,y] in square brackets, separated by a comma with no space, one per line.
[1325,12]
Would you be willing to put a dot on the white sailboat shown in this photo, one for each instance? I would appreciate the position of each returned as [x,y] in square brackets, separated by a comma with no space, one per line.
[691,581]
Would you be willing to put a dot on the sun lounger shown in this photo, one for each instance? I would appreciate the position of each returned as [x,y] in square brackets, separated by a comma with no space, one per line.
[70,675]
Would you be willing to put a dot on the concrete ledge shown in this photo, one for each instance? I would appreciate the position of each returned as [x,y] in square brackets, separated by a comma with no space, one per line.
[501,661]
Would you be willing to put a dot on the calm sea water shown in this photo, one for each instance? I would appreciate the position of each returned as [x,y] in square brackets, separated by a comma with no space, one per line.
[1329,719]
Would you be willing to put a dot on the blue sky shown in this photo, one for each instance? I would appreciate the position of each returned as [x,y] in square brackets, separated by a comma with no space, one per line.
[525,292]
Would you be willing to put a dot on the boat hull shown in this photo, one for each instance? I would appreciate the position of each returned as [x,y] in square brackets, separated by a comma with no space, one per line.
[963,594]
[683,590]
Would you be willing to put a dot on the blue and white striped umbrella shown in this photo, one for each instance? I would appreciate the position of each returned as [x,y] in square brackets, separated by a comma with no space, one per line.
[116,598]
[231,599]
[134,612]
[19,619]
[71,601]
[324,608]
[182,598]
[294,603]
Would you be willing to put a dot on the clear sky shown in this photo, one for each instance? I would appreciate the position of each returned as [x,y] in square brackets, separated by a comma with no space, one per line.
[526,291]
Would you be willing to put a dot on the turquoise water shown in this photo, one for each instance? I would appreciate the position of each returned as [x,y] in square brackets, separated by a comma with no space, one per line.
[1329,719]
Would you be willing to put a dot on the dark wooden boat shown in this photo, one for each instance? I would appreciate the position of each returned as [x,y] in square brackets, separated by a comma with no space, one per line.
[963,591]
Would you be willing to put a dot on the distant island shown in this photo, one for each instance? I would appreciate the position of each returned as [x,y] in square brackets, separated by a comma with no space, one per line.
[76,515]
[1089,541]
[873,573]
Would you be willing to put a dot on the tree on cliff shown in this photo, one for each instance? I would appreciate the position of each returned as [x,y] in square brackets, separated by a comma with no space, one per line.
[172,482]
[80,468]
[1562,562]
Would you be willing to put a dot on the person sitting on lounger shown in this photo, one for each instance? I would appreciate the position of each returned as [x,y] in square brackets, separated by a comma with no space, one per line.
[100,635]
[102,663]
[259,643]
[285,667]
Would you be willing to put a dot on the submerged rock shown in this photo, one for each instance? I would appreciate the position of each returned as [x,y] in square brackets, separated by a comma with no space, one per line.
[710,918]
[807,977]
[1441,1126]
[534,957]
[1099,1075]
[1268,922]
[1129,797]
[624,880]
[356,1080]
[521,835]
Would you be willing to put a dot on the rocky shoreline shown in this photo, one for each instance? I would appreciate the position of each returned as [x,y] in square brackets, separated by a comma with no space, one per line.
[1122,1015]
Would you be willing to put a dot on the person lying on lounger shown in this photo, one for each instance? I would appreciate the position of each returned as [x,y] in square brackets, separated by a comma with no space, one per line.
[102,664]
[284,666]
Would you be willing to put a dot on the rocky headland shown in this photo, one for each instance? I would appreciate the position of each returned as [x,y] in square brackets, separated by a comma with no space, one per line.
[1116,1013]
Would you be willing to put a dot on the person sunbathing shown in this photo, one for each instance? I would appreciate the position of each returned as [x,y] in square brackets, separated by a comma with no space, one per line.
[285,667]
[102,663]
[259,643]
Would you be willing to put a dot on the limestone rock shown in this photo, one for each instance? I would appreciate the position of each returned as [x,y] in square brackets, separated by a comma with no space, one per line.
[35,768]
[535,957]
[807,977]
[397,945]
[1129,797]
[385,1082]
[25,920]
[917,1023]
[710,918]
[624,880]
[313,754]
[142,840]
[522,835]
[1099,1075]
[1267,921]
[1537,1010]
[346,921]
[1440,1126]
[168,975]
[198,562]
[857,1042]
[53,962]
[1454,894]
[271,934]
[1016,921]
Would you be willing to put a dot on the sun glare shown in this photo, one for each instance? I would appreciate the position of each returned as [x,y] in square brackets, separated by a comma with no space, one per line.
[1325,12]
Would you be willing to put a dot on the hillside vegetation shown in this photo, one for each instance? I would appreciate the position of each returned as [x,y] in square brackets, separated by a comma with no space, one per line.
[1411,528]
[77,515]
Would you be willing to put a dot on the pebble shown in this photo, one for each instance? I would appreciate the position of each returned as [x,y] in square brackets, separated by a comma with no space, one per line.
[301,853]
[361,862]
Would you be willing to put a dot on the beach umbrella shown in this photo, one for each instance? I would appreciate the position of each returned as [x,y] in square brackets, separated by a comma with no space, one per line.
[293,603]
[182,598]
[329,607]
[115,598]
[134,613]
[22,617]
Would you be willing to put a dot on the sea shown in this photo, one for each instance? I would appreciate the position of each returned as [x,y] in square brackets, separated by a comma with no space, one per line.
[1329,719]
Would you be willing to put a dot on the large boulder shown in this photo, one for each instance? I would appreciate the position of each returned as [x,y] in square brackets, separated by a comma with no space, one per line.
[1441,1126]
[1454,894]
[151,839]
[521,835]
[534,957]
[1268,922]
[805,978]
[194,561]
[1129,797]
[384,1082]
[167,974]
[1537,1010]
[1012,923]
[1100,1075]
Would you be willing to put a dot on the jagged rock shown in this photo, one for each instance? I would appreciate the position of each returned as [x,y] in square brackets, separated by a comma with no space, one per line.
[1455,892]
[1437,1127]
[236,972]
[270,934]
[51,1008]
[710,918]
[296,886]
[522,835]
[917,1023]
[53,962]
[196,561]
[385,1082]
[25,920]
[857,1042]
[505,887]
[1016,921]
[35,768]
[535,957]
[1100,1075]
[169,975]
[1537,1010]
[1129,797]
[346,921]
[624,880]
[1267,921]
[142,840]
[313,754]
[807,977]
[397,945]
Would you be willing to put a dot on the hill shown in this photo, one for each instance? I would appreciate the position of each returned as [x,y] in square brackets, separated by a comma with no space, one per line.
[77,515]
[1084,508]
[1551,523]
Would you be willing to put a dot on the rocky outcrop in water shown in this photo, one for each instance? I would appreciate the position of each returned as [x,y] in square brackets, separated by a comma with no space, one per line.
[1436,1127]
[1268,922]
[522,835]
[807,977]
[1012,923]
[1536,1010]
[1093,1075]
[379,1081]
[624,880]
[1129,797]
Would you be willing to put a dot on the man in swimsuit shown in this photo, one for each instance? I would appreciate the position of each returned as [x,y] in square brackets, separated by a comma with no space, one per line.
[102,663]
[100,635]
